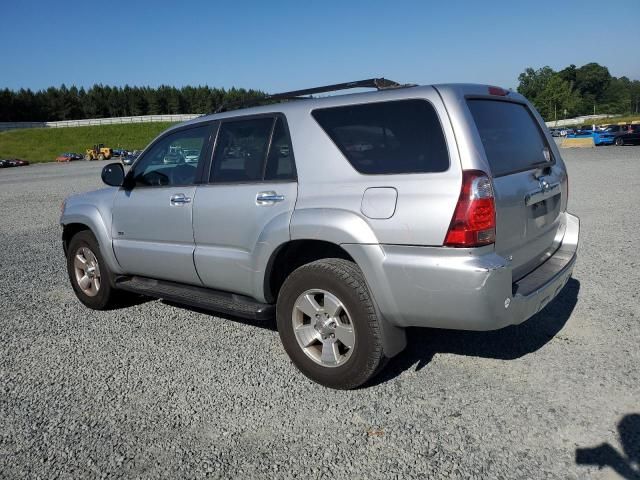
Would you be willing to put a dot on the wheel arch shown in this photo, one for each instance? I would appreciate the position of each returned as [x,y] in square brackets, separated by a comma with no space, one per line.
[77,218]
[69,230]
[295,253]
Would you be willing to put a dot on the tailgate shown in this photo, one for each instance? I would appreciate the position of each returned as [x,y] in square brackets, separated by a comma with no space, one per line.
[527,181]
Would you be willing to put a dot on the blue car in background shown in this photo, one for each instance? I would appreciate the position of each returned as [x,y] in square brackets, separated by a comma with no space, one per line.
[600,137]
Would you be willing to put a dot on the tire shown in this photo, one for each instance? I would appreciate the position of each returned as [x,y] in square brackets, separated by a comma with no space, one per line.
[100,295]
[87,158]
[101,156]
[325,284]
[619,141]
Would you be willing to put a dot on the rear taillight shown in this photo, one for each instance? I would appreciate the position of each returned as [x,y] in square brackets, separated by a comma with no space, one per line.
[474,220]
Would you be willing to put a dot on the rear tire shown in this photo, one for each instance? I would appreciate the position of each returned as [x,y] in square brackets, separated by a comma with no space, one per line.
[328,324]
[89,275]
[619,141]
[87,158]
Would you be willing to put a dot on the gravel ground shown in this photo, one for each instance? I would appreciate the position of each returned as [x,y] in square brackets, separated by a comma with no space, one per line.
[161,391]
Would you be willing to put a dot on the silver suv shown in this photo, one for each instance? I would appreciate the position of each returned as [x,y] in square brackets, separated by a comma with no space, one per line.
[348,217]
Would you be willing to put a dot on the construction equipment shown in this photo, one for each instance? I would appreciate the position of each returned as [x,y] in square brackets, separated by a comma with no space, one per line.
[98,152]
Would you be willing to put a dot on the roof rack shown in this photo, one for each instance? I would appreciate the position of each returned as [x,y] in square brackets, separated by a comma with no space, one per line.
[377,83]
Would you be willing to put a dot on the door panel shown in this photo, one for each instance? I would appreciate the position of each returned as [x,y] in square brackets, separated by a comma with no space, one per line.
[153,237]
[152,218]
[232,226]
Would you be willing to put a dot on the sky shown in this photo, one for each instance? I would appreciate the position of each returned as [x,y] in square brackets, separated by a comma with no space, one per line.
[284,45]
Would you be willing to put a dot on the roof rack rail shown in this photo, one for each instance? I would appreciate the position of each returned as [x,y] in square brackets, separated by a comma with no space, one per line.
[377,83]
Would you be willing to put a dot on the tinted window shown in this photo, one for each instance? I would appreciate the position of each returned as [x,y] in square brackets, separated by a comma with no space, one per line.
[241,149]
[173,159]
[280,164]
[510,135]
[387,137]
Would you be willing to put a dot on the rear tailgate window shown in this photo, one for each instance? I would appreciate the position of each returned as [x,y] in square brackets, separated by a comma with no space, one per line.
[512,139]
[402,136]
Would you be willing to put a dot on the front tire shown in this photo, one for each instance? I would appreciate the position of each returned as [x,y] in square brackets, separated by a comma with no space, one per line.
[89,275]
[101,157]
[328,324]
[619,141]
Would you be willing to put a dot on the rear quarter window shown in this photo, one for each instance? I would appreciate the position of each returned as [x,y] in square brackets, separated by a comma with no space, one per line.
[512,140]
[403,136]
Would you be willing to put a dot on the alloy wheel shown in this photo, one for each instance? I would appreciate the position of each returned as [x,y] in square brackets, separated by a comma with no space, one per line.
[87,270]
[323,328]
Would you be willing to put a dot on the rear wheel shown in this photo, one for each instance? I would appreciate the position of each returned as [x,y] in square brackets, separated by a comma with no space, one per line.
[87,157]
[89,275]
[619,141]
[328,324]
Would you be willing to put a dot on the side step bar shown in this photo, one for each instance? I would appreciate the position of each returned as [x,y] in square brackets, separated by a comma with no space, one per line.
[198,297]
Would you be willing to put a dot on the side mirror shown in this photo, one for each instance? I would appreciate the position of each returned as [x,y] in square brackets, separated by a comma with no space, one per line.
[113,174]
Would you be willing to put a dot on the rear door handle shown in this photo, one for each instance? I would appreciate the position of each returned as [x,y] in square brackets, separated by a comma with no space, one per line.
[268,198]
[179,199]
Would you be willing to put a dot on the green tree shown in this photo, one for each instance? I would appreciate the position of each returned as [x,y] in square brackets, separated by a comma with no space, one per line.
[592,78]
[556,97]
[532,82]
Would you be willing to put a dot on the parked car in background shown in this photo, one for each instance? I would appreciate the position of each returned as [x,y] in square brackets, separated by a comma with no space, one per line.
[614,131]
[630,137]
[584,130]
[68,157]
[15,162]
[191,156]
[130,157]
[603,137]
[555,132]
[4,164]
[301,210]
[600,137]
[120,152]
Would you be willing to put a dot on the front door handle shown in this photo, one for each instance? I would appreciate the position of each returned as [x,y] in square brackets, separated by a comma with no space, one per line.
[179,199]
[268,198]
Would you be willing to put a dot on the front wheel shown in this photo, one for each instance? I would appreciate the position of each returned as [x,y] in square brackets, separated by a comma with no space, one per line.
[89,275]
[101,157]
[87,157]
[619,141]
[328,324]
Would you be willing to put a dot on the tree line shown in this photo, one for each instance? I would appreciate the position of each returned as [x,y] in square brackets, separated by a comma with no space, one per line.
[574,91]
[101,101]
[566,93]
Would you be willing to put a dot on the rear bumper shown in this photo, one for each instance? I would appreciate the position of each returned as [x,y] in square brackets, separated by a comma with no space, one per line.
[461,289]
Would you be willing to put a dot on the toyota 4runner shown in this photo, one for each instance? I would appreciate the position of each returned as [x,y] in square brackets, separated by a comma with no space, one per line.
[348,217]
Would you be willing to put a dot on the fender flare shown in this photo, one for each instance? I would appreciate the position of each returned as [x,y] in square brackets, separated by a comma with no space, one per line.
[90,216]
[345,228]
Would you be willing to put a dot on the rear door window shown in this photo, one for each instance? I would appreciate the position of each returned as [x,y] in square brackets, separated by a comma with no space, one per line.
[512,139]
[241,150]
[393,137]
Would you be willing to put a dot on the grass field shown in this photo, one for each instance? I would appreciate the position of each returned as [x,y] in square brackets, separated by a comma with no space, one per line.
[44,144]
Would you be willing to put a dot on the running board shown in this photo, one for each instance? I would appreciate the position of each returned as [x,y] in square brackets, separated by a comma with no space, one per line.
[198,297]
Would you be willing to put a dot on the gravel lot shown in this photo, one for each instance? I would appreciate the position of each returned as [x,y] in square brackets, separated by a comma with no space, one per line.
[161,391]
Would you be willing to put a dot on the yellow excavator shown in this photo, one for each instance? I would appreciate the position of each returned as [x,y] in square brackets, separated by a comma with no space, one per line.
[98,152]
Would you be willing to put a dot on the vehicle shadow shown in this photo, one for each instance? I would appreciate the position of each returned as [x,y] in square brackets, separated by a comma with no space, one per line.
[625,464]
[506,344]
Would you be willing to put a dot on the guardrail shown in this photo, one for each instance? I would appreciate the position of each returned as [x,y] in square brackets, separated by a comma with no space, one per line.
[101,121]
[577,120]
